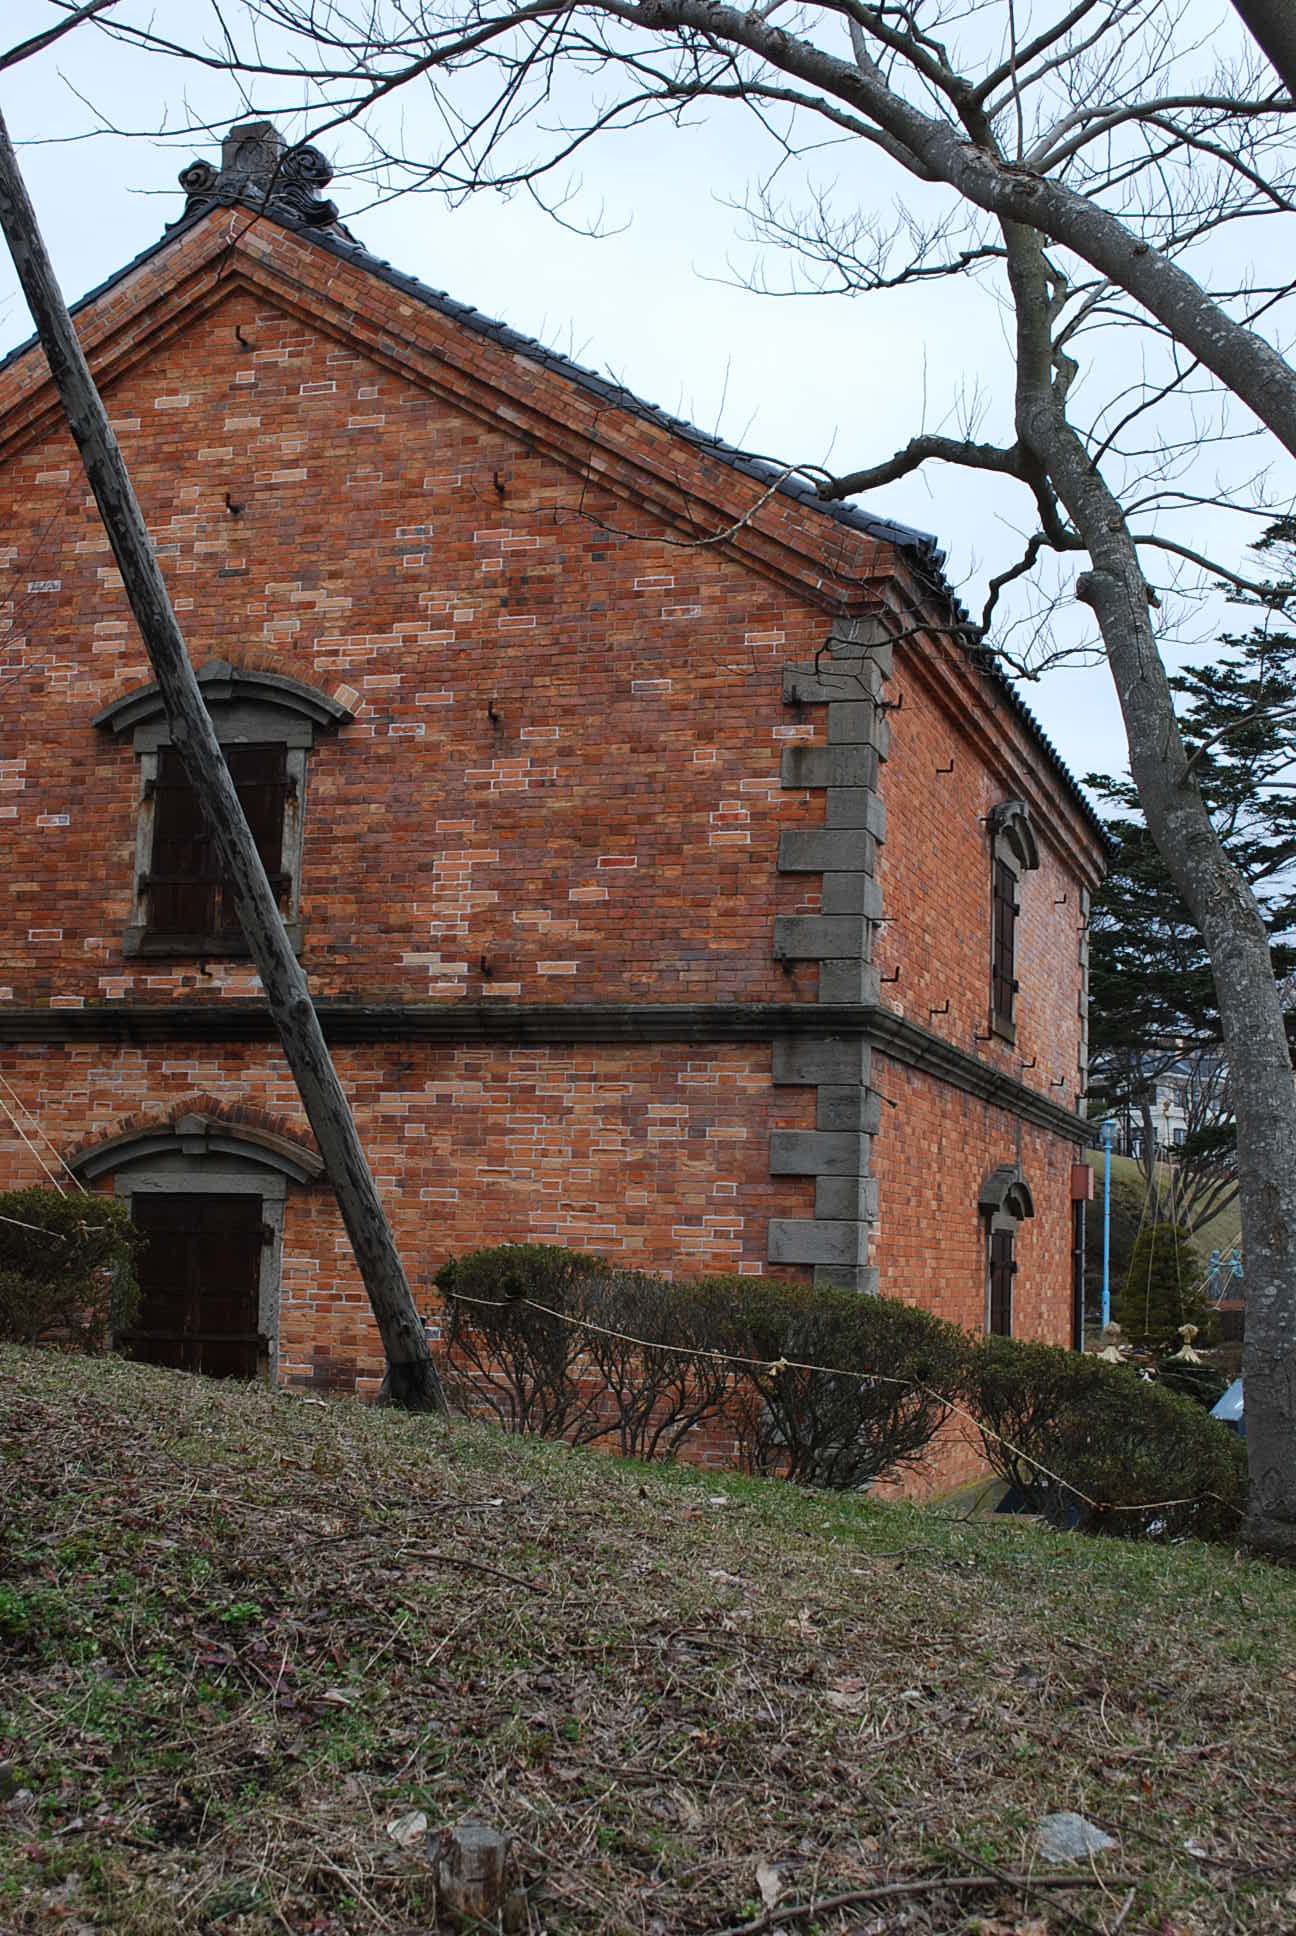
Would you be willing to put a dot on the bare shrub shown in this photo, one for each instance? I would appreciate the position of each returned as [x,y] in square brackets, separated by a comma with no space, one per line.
[672,1373]
[502,1354]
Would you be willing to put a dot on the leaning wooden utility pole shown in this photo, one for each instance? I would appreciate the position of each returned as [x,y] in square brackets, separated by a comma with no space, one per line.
[411,1379]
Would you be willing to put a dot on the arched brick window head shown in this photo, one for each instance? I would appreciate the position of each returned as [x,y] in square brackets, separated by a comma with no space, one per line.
[267,725]
[207,1194]
[1004,1201]
[1013,853]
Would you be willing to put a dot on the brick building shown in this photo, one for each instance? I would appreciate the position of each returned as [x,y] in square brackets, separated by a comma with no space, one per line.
[671,880]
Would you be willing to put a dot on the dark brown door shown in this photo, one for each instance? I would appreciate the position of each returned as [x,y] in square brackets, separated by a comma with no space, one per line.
[200,1275]
[1003,1269]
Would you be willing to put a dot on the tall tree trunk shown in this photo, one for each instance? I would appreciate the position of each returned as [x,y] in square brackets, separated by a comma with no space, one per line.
[411,1376]
[1147,1156]
[1255,1039]
[1272,24]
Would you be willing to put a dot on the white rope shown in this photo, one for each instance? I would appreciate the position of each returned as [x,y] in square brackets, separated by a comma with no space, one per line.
[31,1146]
[57,1154]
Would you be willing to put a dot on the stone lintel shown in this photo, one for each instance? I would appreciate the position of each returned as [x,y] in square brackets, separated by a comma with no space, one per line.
[835,679]
[864,634]
[862,1278]
[859,724]
[854,807]
[850,979]
[853,893]
[846,1198]
[852,1107]
[827,850]
[810,1060]
[829,766]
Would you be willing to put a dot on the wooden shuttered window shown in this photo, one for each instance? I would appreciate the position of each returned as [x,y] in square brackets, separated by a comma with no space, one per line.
[1003,985]
[189,897]
[1002,1271]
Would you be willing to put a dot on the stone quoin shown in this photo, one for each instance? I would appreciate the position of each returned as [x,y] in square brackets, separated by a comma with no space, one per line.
[673,880]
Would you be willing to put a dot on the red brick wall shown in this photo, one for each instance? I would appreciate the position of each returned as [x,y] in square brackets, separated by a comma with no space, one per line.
[657,1157]
[935,873]
[629,790]
[933,1153]
[391,522]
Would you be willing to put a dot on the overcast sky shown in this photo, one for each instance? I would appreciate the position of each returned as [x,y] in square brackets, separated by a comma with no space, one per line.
[827,380]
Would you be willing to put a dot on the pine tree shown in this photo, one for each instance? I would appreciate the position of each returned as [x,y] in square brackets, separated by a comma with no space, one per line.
[1152,998]
[1164,1288]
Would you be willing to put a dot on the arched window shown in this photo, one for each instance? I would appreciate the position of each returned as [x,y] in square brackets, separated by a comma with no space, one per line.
[1013,853]
[1004,1201]
[267,724]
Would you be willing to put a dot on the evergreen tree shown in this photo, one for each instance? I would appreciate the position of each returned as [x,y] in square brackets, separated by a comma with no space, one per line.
[1164,1288]
[1152,998]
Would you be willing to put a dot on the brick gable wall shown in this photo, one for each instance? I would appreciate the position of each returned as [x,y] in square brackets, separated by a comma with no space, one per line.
[635,685]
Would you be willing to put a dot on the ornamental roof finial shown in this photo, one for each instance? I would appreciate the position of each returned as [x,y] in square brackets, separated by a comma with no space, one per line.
[258,170]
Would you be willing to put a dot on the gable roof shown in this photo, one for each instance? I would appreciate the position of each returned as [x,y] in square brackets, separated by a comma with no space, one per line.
[293,209]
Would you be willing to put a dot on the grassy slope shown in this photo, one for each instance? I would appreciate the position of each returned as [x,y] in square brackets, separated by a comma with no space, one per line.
[1222,1233]
[240,1634]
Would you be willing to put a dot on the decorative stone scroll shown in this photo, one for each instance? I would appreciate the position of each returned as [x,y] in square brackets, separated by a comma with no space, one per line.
[258,170]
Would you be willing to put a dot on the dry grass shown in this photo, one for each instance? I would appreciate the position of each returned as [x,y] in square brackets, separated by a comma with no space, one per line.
[240,1635]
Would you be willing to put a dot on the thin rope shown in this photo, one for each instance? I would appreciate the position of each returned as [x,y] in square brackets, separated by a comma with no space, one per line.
[1149,1188]
[32,1147]
[830,1371]
[41,1229]
[58,1155]
[1178,1247]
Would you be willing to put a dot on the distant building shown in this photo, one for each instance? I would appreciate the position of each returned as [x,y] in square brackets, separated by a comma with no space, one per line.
[1185,1095]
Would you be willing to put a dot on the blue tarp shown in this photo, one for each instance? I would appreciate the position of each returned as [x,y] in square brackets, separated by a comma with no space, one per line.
[1229,1409]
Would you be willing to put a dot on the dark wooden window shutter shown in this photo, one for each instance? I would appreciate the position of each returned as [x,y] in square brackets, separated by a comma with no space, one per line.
[1003,1269]
[188,895]
[1004,938]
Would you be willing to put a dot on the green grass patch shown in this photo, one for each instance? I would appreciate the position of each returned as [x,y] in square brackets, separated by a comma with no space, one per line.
[241,1634]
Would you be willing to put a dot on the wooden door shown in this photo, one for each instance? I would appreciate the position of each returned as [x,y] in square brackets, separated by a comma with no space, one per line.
[1003,1269]
[200,1285]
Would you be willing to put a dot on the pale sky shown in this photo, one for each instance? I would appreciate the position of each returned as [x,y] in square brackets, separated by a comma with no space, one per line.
[826,380]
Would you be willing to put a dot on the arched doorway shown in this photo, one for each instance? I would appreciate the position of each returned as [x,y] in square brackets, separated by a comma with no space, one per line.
[208,1197]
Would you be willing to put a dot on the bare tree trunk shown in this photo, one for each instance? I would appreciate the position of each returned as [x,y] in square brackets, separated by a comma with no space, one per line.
[1147,1152]
[411,1376]
[1220,902]
[1272,25]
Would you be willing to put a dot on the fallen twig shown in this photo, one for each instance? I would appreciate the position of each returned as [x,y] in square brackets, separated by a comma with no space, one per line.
[471,1566]
[923,1886]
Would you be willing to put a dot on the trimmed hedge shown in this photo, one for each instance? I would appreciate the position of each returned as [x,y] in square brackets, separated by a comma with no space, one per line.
[627,1355]
[501,1353]
[631,1357]
[67,1267]
[877,1406]
[1109,1437]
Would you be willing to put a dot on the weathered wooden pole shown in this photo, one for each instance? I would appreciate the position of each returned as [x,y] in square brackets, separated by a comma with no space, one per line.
[411,1379]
